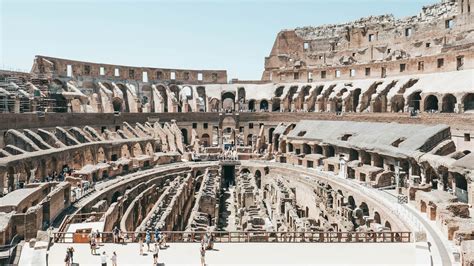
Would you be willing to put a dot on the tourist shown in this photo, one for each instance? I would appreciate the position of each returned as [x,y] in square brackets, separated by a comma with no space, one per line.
[67,260]
[103,259]
[70,251]
[155,255]
[157,235]
[115,233]
[114,259]
[203,256]
[93,246]
[163,240]
[148,240]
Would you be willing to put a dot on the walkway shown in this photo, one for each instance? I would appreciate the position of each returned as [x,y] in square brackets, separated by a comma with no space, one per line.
[256,254]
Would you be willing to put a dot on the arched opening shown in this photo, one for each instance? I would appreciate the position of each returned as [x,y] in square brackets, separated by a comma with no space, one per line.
[115,196]
[377,218]
[377,160]
[249,139]
[365,209]
[276,105]
[306,149]
[264,105]
[351,202]
[461,187]
[353,155]
[241,95]
[228,101]
[290,147]
[205,140]
[270,135]
[123,89]
[469,102]
[245,171]
[431,103]
[331,152]
[397,103]
[449,103]
[164,97]
[117,104]
[355,99]
[252,105]
[414,100]
[258,179]
[279,91]
[214,104]
[338,103]
[388,225]
[201,99]
[184,132]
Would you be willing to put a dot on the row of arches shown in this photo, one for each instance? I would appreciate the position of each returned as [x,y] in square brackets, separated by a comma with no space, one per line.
[432,102]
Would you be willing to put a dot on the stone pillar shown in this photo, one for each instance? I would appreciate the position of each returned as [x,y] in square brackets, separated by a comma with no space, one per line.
[17,105]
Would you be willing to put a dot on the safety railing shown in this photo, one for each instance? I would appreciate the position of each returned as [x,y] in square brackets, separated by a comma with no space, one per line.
[241,237]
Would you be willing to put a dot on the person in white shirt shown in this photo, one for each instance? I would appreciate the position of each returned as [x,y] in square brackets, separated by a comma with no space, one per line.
[114,259]
[103,259]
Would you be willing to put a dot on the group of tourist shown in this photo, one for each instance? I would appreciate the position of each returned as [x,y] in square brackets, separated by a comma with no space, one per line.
[207,243]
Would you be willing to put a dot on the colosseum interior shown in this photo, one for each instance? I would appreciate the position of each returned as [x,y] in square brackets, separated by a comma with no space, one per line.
[356,133]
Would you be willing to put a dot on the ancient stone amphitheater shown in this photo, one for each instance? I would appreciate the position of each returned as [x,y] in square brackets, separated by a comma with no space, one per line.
[357,133]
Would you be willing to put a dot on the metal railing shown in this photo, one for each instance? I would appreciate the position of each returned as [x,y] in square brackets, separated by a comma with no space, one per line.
[244,236]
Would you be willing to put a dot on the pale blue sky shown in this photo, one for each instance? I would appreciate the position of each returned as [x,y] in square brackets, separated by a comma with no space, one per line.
[219,34]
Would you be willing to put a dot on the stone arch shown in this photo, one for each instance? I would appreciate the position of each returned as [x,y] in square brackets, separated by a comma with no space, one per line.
[351,202]
[201,91]
[123,89]
[249,139]
[101,157]
[264,105]
[270,135]
[136,150]
[331,151]
[228,101]
[306,148]
[251,105]
[186,93]
[164,95]
[184,132]
[276,104]
[77,160]
[115,196]
[205,140]
[88,157]
[124,151]
[149,149]
[377,218]
[355,99]
[175,90]
[431,103]
[353,155]
[397,103]
[414,100]
[468,102]
[318,149]
[279,91]
[388,225]
[244,171]
[214,104]
[241,95]
[365,209]
[449,103]
[117,104]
